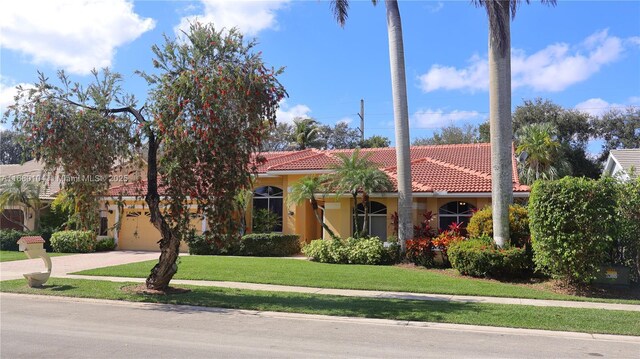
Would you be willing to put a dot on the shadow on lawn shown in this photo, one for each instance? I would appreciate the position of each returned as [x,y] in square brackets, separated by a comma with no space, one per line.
[223,300]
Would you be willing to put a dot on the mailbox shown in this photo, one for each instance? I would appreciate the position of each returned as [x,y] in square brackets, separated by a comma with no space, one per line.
[33,247]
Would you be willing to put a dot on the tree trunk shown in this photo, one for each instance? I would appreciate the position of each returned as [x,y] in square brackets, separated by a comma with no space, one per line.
[365,223]
[314,206]
[356,233]
[501,129]
[401,121]
[163,271]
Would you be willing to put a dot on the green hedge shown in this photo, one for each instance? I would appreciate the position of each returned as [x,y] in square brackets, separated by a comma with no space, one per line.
[255,244]
[269,245]
[481,224]
[9,239]
[479,257]
[352,251]
[105,244]
[73,241]
[573,225]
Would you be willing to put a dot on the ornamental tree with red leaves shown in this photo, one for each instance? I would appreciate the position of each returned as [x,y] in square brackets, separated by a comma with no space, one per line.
[211,101]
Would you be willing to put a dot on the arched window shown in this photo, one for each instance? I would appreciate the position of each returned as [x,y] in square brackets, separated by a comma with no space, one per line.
[270,198]
[456,211]
[377,219]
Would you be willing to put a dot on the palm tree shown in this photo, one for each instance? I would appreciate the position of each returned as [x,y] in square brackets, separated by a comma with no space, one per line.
[371,180]
[400,110]
[347,178]
[305,190]
[500,13]
[541,153]
[305,132]
[16,192]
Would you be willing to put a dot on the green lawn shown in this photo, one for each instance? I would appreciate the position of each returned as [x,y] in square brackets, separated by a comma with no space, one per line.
[311,274]
[516,316]
[6,256]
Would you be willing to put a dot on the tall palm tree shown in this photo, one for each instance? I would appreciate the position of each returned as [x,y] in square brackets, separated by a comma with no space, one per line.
[400,110]
[16,192]
[372,180]
[500,13]
[541,153]
[305,132]
[305,190]
[347,178]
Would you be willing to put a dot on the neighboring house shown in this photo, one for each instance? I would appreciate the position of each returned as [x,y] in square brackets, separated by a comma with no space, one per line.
[624,164]
[449,180]
[31,171]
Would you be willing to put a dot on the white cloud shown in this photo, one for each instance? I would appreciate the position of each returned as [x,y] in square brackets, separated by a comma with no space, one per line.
[439,118]
[75,35]
[436,7]
[598,106]
[553,68]
[7,94]
[345,120]
[288,113]
[634,99]
[249,16]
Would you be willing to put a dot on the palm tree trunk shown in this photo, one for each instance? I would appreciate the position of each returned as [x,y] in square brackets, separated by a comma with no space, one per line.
[314,206]
[501,129]
[164,270]
[365,222]
[401,121]
[356,233]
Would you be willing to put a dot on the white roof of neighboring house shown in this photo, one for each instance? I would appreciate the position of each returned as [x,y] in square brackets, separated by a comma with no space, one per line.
[625,160]
[33,171]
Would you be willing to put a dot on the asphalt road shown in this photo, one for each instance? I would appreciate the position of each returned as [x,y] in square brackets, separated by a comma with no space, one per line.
[46,327]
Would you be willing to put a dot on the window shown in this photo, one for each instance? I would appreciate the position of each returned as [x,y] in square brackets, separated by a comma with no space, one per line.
[12,219]
[270,198]
[456,211]
[377,219]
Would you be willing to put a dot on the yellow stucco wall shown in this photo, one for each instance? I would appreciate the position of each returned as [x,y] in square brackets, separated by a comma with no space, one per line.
[137,233]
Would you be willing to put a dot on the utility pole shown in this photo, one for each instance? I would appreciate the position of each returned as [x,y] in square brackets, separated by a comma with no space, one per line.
[361,114]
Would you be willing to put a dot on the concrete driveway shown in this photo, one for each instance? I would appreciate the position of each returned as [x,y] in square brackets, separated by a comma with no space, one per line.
[72,263]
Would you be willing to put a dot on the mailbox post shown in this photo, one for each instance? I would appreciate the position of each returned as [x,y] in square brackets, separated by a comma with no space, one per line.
[33,247]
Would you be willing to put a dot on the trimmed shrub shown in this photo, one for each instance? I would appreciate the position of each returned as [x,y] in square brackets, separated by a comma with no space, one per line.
[392,251]
[365,250]
[269,245]
[481,224]
[9,239]
[211,245]
[627,246]
[479,257]
[105,244]
[573,223]
[73,241]
[352,251]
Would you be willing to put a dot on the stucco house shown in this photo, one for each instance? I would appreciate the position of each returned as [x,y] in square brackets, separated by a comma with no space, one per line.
[449,180]
[624,164]
[30,171]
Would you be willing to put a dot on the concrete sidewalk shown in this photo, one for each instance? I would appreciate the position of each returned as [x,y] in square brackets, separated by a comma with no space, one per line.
[382,294]
[73,263]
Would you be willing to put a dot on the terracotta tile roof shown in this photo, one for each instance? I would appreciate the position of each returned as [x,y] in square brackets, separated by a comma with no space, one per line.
[31,239]
[34,171]
[463,168]
[134,189]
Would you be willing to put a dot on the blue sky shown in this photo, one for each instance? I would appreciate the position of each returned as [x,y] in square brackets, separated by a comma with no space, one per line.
[579,54]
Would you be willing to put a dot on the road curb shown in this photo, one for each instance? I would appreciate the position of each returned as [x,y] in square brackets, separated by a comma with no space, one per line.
[356,320]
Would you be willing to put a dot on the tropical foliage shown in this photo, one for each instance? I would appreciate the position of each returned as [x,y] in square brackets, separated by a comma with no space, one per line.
[540,153]
[26,194]
[209,99]
[305,189]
